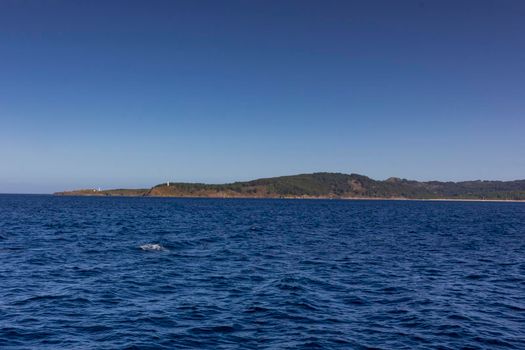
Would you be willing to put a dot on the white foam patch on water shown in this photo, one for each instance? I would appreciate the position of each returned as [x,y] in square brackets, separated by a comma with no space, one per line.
[152,247]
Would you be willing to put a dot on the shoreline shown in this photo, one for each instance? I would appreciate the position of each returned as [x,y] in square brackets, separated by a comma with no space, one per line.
[324,185]
[306,197]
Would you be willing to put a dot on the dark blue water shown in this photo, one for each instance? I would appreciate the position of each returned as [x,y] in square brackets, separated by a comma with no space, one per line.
[260,274]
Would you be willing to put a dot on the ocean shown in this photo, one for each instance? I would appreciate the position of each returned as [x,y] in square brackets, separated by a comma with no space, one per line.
[168,273]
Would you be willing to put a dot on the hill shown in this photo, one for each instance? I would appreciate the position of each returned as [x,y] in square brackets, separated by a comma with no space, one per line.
[328,185]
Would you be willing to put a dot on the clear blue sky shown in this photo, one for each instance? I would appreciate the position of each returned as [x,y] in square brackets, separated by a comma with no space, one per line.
[133,93]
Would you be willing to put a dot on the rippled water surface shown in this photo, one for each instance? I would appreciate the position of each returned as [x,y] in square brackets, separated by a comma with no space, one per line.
[163,273]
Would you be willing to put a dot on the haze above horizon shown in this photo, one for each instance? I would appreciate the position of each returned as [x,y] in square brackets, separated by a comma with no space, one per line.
[134,93]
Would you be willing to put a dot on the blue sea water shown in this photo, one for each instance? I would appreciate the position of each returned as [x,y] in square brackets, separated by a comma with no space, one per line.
[166,273]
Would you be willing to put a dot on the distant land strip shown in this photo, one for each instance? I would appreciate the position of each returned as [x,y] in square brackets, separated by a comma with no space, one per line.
[328,186]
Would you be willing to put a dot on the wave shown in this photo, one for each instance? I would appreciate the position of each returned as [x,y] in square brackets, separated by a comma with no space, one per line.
[152,247]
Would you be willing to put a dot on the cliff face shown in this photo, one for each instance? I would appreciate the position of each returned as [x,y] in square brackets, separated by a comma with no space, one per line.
[176,191]
[329,185]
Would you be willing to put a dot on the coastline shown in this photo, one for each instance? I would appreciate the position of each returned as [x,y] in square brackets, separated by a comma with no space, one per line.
[61,194]
[328,186]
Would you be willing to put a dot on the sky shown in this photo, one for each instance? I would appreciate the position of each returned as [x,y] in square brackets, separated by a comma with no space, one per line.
[134,93]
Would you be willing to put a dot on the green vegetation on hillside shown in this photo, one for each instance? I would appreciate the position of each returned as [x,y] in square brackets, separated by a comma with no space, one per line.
[332,185]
